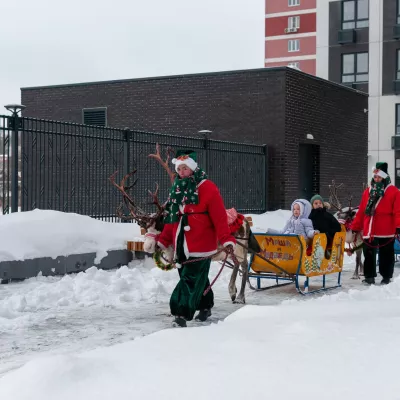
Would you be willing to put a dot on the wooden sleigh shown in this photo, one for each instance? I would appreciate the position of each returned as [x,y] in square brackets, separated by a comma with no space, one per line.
[284,259]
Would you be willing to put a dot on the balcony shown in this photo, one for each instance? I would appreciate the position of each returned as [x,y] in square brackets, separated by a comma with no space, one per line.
[396,32]
[347,36]
[396,142]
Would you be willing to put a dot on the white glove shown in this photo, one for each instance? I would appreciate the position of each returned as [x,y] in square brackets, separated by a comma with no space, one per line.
[169,253]
[150,240]
[149,245]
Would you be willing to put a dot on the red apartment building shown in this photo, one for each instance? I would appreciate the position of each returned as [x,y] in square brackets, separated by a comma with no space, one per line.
[290,34]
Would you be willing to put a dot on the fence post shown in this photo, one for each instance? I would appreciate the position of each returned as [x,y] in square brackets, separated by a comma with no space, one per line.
[127,151]
[206,134]
[127,157]
[15,124]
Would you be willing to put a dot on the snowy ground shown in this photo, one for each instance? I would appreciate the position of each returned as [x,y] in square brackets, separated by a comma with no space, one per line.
[65,317]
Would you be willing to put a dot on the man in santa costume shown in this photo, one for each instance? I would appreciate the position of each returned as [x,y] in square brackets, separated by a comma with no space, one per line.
[379,219]
[196,221]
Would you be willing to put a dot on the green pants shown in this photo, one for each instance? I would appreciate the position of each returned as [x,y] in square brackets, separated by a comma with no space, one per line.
[187,296]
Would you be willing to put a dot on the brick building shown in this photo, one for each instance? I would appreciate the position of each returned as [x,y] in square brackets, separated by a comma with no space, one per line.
[316,130]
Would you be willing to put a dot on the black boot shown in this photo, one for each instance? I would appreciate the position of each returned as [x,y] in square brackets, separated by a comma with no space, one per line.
[385,281]
[179,321]
[203,315]
[369,281]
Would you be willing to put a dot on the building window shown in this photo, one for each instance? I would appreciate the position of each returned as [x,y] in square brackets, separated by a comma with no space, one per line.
[292,3]
[398,65]
[398,119]
[295,65]
[294,22]
[354,67]
[95,116]
[355,14]
[293,45]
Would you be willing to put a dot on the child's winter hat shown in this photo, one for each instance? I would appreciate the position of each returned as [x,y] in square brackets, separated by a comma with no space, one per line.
[186,157]
[381,169]
[316,197]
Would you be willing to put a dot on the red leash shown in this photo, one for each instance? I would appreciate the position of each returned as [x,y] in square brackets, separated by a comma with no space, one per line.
[214,280]
[235,261]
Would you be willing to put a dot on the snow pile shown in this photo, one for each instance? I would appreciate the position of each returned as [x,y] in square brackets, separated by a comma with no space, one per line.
[270,219]
[41,233]
[325,349]
[141,283]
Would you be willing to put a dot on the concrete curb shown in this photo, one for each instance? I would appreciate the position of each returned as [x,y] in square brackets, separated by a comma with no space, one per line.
[19,270]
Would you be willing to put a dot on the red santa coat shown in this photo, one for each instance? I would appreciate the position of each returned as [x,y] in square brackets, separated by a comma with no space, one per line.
[387,215]
[208,224]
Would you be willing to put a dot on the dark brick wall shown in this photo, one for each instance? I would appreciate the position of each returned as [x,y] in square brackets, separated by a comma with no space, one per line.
[244,106]
[240,105]
[335,116]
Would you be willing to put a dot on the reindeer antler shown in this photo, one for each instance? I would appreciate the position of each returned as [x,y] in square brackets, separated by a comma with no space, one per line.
[143,219]
[164,164]
[333,195]
[156,202]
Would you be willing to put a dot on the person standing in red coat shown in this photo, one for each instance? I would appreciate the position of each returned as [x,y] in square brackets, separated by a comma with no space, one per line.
[379,219]
[196,221]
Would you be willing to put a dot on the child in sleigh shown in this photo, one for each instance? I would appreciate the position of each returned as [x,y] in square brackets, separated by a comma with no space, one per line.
[299,223]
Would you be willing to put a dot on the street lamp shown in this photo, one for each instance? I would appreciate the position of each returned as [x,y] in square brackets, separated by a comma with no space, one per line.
[206,133]
[14,108]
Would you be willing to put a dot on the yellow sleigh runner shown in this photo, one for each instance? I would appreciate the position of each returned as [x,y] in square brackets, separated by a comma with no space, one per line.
[284,259]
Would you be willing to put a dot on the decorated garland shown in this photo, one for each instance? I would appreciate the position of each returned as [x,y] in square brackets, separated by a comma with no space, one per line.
[158,259]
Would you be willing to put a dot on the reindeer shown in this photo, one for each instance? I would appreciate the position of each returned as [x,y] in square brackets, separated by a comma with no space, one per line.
[153,225]
[346,215]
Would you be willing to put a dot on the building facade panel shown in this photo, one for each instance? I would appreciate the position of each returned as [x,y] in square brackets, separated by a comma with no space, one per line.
[276,26]
[307,66]
[279,6]
[390,19]
[293,47]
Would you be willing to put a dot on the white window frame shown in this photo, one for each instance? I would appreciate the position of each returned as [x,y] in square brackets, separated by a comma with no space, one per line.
[294,64]
[293,45]
[293,3]
[294,22]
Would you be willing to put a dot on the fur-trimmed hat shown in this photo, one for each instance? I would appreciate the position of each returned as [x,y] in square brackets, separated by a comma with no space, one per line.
[185,157]
[380,169]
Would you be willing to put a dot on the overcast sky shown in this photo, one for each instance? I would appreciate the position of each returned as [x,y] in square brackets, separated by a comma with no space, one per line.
[46,42]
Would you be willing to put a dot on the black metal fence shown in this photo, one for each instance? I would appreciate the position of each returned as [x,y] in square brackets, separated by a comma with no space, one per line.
[65,167]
